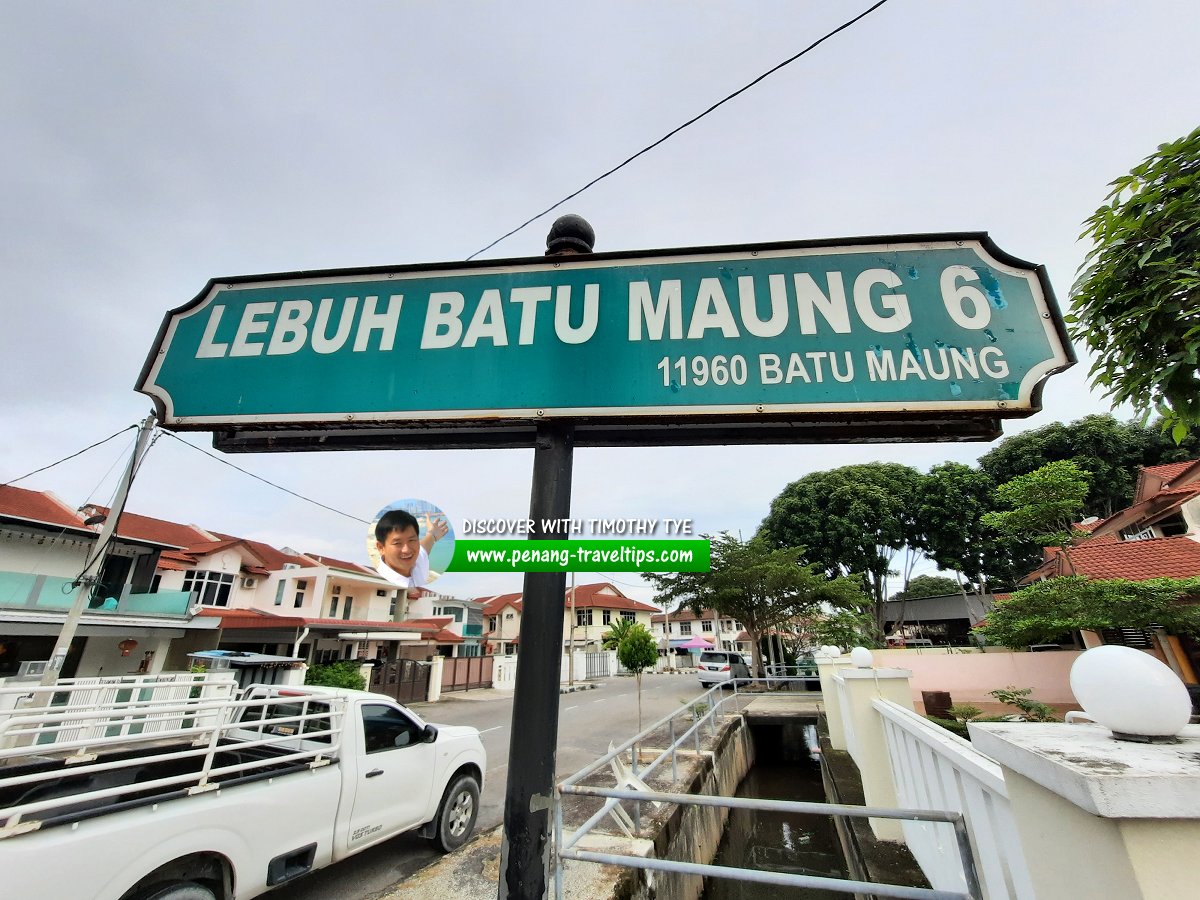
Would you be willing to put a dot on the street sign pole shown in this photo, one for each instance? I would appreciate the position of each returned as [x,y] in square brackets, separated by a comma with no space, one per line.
[529,797]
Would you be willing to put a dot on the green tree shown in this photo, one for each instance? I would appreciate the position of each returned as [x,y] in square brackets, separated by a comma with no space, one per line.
[952,500]
[1137,302]
[853,520]
[617,630]
[1112,451]
[637,652]
[1043,505]
[929,586]
[1048,609]
[844,628]
[759,586]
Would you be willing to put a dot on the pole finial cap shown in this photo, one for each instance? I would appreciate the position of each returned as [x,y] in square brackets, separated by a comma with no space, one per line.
[570,234]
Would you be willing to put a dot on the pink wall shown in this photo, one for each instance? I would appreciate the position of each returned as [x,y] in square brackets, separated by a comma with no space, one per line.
[969,676]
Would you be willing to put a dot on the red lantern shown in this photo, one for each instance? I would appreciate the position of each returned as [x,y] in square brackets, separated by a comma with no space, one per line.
[126,645]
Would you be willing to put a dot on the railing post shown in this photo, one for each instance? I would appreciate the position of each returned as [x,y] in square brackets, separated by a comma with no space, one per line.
[826,669]
[674,762]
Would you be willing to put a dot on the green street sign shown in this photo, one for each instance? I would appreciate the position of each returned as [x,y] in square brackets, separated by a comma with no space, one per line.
[717,343]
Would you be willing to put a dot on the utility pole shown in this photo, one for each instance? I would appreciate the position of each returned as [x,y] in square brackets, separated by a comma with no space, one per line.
[571,648]
[95,560]
[667,633]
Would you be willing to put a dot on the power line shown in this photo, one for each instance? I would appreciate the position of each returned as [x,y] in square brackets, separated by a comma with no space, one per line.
[278,487]
[674,131]
[72,456]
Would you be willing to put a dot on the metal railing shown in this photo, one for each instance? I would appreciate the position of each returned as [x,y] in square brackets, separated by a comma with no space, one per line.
[718,706]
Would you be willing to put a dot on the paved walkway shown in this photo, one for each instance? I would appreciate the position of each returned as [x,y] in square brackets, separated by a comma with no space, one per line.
[474,871]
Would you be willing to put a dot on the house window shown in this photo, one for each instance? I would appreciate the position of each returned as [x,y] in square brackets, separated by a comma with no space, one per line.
[628,615]
[392,605]
[154,584]
[337,589]
[583,617]
[491,623]
[706,625]
[508,615]
[301,587]
[208,588]
[738,626]
[279,589]
[685,629]
[606,617]
[349,606]
[333,605]
[727,625]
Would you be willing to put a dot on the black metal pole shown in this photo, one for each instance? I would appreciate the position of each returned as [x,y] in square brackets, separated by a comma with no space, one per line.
[525,851]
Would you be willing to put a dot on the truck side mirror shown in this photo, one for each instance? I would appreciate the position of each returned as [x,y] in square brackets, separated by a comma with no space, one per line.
[429,735]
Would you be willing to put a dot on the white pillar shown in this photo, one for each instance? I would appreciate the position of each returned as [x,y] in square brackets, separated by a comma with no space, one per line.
[1097,817]
[869,744]
[436,664]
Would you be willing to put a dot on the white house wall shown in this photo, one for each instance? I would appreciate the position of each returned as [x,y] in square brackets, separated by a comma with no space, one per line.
[102,655]
[62,557]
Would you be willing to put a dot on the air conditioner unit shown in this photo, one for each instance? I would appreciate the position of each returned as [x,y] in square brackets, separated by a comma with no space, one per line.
[32,667]
[249,583]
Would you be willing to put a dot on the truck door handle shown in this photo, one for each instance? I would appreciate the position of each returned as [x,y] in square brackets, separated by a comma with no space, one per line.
[374,772]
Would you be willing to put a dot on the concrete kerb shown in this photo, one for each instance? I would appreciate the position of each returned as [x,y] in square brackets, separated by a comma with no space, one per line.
[474,870]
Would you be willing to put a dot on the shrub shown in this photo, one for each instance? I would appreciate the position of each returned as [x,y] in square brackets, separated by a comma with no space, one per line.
[964,712]
[343,674]
[1032,710]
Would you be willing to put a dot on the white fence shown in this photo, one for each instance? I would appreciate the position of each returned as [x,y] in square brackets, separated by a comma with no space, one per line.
[937,770]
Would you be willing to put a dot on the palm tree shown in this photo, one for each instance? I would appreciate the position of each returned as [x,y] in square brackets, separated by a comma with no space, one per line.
[616,633]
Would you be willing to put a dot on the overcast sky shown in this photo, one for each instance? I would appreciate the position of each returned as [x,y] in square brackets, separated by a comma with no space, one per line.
[148,147]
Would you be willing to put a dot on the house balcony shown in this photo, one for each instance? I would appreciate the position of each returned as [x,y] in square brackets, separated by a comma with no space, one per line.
[22,591]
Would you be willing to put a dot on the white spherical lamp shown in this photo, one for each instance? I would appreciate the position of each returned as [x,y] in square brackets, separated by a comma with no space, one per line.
[1130,692]
[861,657]
[831,651]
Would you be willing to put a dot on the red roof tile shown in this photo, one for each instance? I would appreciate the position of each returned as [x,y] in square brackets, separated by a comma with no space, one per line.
[685,614]
[273,558]
[156,531]
[1169,557]
[251,618]
[38,506]
[342,564]
[493,605]
[1167,471]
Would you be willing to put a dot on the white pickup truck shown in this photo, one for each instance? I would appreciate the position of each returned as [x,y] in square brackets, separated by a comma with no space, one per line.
[219,798]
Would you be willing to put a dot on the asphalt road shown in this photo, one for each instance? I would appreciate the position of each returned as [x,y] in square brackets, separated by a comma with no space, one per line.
[588,721]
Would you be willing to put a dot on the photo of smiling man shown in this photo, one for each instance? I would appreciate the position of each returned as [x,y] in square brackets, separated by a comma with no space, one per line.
[402,541]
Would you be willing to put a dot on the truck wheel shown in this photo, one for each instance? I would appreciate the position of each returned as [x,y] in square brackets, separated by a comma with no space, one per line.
[456,815]
[180,890]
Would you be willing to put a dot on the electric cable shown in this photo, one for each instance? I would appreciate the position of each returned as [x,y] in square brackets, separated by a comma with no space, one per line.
[278,487]
[674,131]
[72,456]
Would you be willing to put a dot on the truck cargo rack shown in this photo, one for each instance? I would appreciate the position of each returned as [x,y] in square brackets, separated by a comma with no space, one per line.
[47,780]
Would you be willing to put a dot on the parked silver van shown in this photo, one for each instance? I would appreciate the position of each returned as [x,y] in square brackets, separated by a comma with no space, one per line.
[716,666]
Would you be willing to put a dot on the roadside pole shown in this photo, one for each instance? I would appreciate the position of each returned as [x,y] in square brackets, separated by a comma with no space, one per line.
[571,648]
[525,850]
[95,558]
